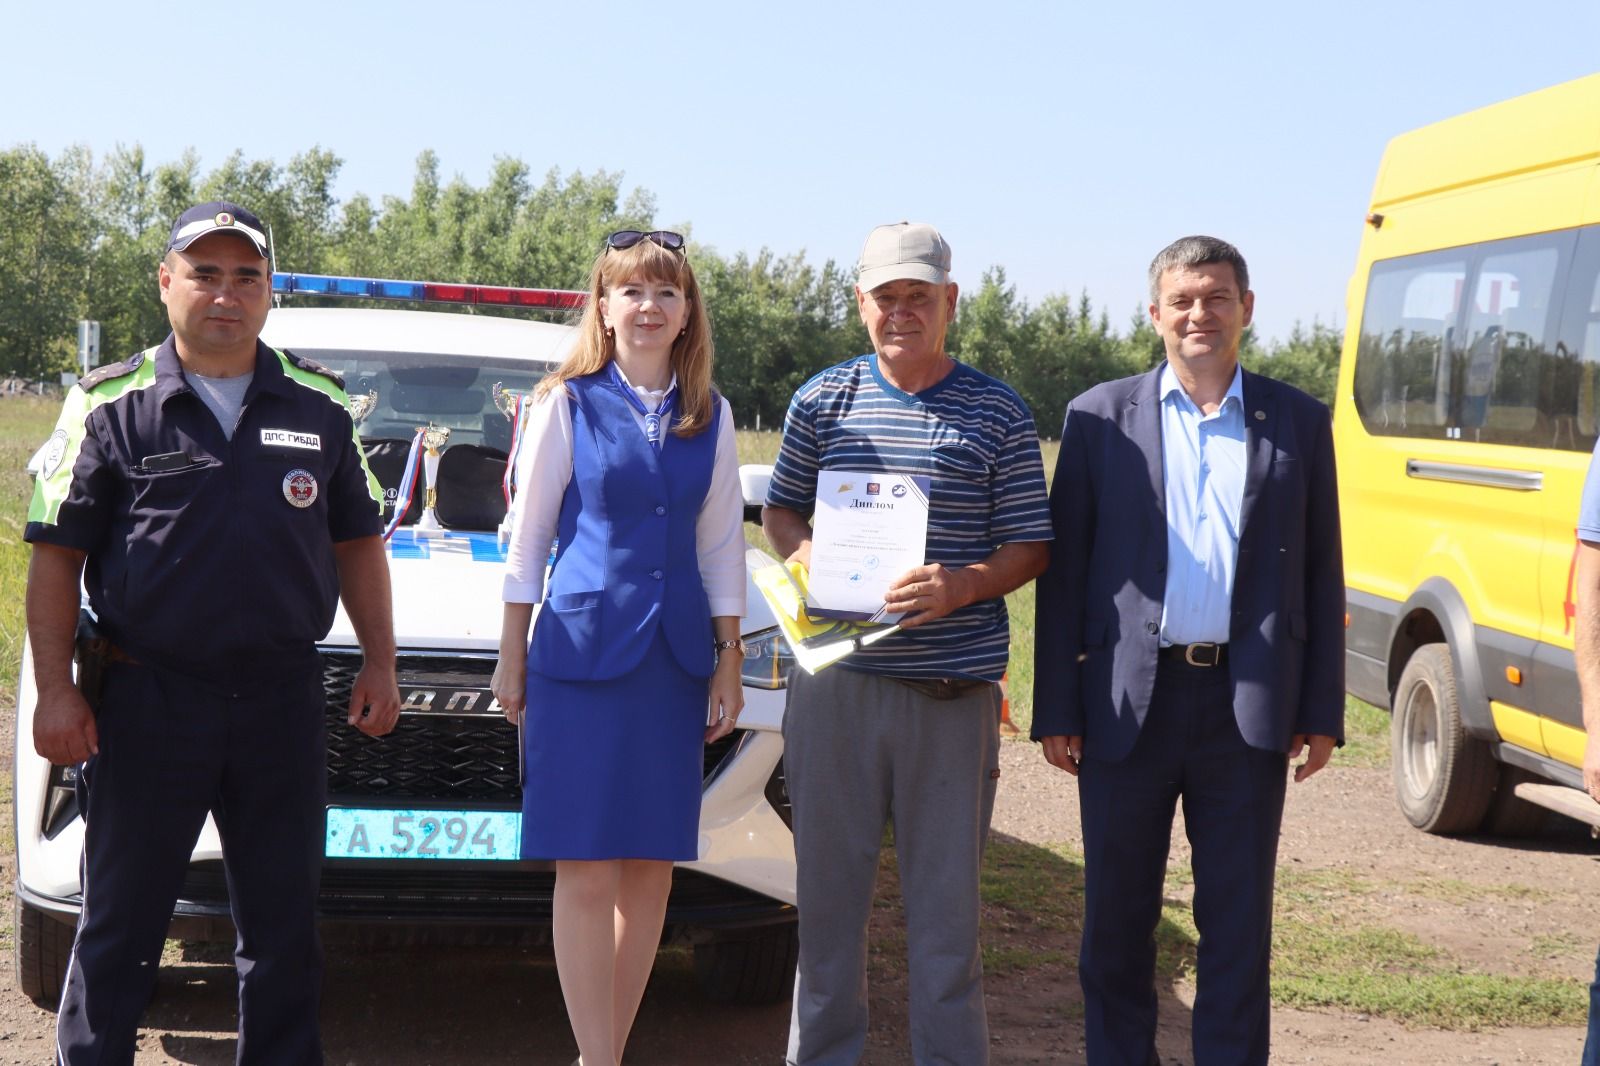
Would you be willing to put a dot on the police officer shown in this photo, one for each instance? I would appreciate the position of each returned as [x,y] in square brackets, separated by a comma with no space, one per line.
[212,495]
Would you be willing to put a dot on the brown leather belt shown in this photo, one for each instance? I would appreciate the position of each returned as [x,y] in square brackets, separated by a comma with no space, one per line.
[1198,654]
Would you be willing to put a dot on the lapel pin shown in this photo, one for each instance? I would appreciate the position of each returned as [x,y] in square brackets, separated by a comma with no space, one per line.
[1261,416]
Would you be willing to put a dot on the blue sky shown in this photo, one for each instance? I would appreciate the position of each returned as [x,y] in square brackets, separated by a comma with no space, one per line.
[1066,142]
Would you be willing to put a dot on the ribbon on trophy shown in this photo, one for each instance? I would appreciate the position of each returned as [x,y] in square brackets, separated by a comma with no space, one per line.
[408,483]
[514,405]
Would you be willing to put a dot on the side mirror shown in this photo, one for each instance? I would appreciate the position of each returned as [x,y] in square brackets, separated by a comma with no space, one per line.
[753,481]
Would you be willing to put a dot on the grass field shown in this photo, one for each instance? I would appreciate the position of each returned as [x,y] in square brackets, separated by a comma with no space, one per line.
[26,422]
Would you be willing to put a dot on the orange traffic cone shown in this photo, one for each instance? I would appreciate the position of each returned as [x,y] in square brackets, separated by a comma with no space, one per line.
[1007,727]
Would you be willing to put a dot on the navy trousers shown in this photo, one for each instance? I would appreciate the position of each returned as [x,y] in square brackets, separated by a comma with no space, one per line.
[1232,794]
[172,750]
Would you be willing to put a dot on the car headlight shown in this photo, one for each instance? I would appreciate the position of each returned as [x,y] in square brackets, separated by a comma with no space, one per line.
[766,660]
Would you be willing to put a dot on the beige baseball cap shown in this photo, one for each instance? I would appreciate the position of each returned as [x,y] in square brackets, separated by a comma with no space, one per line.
[903,250]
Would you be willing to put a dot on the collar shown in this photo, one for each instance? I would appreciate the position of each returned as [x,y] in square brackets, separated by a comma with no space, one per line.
[170,382]
[874,364]
[1167,384]
[650,395]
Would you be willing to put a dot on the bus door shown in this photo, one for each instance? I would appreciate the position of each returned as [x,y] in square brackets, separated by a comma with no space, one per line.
[1573,409]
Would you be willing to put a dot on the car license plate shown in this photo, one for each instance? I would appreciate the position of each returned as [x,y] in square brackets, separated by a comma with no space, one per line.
[362,833]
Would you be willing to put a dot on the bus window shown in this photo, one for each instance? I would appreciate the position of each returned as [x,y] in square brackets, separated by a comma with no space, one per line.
[1403,368]
[1505,344]
[1432,364]
[1577,358]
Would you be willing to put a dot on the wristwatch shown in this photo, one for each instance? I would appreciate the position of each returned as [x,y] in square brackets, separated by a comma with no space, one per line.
[728,645]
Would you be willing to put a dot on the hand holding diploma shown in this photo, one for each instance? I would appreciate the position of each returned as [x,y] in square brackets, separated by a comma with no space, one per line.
[926,593]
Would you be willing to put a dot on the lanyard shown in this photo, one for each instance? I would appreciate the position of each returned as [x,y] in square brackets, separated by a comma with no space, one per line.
[652,419]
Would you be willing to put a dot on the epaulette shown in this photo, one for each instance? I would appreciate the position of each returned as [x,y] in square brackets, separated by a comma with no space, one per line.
[315,367]
[110,371]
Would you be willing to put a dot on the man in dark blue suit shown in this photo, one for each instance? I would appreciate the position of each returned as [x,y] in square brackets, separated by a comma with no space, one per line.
[1189,643]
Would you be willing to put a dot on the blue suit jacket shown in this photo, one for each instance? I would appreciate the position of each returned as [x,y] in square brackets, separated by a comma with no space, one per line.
[1099,603]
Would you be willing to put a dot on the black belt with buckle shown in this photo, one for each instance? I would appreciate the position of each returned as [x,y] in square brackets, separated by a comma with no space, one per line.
[1200,654]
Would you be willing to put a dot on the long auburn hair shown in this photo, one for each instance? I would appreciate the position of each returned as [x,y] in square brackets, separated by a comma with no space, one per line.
[691,353]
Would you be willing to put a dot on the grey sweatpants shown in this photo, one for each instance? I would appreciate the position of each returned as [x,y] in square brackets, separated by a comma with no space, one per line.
[860,749]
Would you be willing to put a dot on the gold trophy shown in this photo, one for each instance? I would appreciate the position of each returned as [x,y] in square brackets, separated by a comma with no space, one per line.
[433,438]
[361,406]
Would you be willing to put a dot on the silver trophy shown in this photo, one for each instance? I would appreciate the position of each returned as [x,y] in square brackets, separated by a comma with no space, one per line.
[433,438]
[361,406]
[504,399]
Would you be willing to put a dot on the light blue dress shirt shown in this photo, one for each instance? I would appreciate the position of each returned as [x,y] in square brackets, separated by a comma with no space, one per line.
[1204,459]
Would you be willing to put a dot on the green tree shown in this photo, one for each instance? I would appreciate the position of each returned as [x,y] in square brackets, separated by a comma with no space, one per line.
[1308,360]
[44,259]
[992,331]
[776,322]
[135,206]
[1077,350]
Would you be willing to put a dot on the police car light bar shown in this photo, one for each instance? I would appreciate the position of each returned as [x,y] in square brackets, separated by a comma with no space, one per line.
[425,291]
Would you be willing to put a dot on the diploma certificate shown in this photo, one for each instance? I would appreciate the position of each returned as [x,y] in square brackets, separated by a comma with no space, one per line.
[867,530]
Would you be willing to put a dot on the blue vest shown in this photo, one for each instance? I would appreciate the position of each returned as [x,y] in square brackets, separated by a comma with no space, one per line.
[627,561]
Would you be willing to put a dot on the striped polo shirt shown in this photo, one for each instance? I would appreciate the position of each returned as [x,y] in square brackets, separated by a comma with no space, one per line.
[974,439]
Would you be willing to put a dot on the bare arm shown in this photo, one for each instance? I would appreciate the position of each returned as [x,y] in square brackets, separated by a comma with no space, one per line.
[789,533]
[727,684]
[510,682]
[1586,647]
[63,725]
[364,588]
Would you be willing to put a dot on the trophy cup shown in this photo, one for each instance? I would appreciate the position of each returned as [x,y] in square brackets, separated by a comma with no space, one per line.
[433,438]
[504,399]
[361,406]
[507,402]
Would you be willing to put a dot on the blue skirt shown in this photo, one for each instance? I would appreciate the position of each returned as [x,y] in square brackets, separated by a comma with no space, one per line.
[612,769]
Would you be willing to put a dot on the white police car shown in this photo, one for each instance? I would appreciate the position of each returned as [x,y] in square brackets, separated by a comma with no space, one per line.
[422,824]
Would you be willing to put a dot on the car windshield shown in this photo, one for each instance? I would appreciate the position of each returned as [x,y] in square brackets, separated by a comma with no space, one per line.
[402,392]
[408,391]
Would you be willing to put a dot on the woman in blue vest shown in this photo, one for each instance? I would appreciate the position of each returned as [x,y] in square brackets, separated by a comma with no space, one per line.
[628,465]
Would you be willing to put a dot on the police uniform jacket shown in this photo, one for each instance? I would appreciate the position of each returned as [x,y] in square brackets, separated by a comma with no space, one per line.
[208,556]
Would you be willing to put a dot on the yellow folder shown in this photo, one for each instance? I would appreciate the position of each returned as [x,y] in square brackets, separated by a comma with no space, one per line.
[815,642]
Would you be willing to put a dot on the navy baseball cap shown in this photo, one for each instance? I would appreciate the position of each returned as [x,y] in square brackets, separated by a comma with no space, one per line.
[203,219]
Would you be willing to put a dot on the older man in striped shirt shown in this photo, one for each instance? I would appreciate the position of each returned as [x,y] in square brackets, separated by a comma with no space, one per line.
[908,728]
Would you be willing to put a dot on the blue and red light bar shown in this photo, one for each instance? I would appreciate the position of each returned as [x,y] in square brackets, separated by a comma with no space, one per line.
[425,292]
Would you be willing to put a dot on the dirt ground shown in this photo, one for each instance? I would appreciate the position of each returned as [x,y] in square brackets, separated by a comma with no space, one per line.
[454,1007]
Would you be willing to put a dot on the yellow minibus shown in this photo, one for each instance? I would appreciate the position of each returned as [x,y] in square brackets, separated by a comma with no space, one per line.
[1467,408]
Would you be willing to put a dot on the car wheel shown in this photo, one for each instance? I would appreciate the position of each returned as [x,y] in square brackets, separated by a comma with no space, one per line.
[753,967]
[44,947]
[1443,778]
[1509,814]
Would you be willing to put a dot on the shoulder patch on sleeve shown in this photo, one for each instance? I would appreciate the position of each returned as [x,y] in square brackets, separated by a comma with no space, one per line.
[111,371]
[314,367]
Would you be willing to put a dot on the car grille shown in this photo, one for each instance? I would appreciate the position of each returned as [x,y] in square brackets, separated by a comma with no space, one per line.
[436,756]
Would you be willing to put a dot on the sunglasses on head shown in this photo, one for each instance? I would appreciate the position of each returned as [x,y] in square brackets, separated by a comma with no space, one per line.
[627,238]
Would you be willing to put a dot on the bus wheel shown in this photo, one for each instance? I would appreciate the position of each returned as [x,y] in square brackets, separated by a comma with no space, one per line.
[1443,778]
